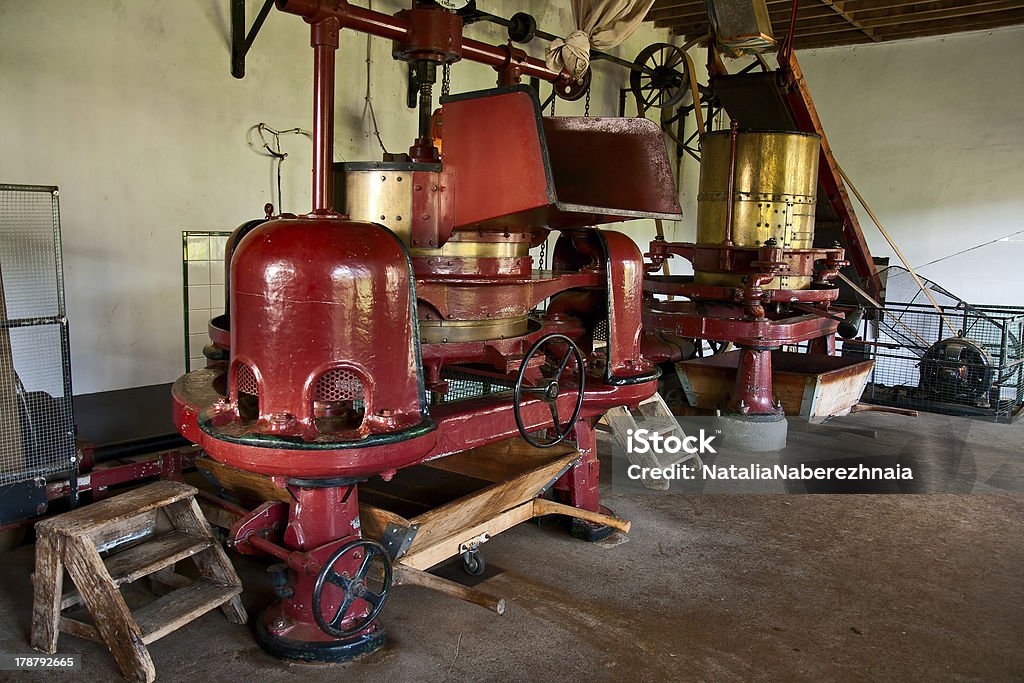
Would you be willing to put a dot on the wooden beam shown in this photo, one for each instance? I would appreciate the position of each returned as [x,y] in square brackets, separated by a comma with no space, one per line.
[986,10]
[672,4]
[818,42]
[936,28]
[700,14]
[920,8]
[839,8]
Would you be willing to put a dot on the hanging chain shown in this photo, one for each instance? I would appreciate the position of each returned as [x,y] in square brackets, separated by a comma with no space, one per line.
[543,255]
[446,80]
[553,98]
[586,108]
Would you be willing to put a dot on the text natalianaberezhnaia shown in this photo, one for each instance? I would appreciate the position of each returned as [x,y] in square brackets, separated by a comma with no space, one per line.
[765,472]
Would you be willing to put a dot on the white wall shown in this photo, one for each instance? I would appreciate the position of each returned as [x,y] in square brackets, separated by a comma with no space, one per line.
[130,108]
[931,131]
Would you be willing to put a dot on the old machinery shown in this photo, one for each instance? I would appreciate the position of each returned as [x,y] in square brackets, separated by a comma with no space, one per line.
[758,280]
[398,321]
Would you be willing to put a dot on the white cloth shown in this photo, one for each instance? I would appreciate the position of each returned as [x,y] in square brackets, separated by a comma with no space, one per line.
[600,24]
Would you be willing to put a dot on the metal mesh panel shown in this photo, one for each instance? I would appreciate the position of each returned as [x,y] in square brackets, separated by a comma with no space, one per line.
[35,370]
[463,386]
[966,360]
[245,380]
[338,385]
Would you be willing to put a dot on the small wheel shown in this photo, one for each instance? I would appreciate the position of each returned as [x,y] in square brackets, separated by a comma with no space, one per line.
[548,390]
[473,563]
[353,584]
[571,90]
[662,79]
[522,28]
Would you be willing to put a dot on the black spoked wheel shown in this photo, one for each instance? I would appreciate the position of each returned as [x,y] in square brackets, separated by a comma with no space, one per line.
[360,589]
[549,387]
[662,80]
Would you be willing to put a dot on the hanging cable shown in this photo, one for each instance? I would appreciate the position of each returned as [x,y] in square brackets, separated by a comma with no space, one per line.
[368,107]
[896,249]
[977,246]
[274,150]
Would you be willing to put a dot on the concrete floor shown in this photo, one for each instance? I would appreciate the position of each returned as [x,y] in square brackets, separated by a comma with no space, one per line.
[706,587]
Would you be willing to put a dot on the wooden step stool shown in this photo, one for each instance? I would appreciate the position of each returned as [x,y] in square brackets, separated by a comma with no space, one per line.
[655,416]
[74,541]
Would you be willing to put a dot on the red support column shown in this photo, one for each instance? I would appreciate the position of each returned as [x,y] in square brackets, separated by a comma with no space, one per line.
[752,393]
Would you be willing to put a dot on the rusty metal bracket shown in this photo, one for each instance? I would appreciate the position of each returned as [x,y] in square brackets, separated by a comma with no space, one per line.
[240,40]
[397,539]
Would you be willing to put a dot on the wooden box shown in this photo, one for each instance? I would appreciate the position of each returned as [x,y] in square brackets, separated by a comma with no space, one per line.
[813,387]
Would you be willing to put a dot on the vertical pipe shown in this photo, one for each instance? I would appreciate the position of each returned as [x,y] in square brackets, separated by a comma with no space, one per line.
[325,42]
[731,198]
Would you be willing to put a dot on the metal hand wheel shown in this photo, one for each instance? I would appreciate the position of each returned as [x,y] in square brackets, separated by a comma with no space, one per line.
[353,587]
[662,79]
[548,390]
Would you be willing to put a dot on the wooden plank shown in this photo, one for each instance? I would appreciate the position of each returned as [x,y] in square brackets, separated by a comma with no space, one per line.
[407,576]
[427,555]
[840,9]
[829,384]
[125,531]
[109,612]
[213,562]
[870,408]
[374,520]
[80,629]
[543,506]
[172,611]
[500,461]
[48,581]
[468,511]
[153,555]
[249,488]
[947,26]
[121,507]
[929,11]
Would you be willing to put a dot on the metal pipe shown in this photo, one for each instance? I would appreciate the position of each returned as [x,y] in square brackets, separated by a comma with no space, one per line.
[325,42]
[730,199]
[397,29]
[135,447]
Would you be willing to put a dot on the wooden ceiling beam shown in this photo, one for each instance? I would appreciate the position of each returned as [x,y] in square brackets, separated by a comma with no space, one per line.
[956,12]
[935,28]
[811,10]
[815,44]
[839,7]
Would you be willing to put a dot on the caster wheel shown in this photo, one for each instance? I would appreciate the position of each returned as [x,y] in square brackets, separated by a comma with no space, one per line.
[473,563]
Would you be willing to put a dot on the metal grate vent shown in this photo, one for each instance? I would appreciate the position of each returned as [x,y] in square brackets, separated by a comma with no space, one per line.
[338,385]
[245,380]
[35,366]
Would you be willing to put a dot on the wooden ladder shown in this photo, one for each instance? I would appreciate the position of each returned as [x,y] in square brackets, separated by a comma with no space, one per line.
[131,527]
[655,416]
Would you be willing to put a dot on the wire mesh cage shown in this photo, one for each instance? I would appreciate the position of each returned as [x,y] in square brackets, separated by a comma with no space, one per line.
[35,364]
[941,354]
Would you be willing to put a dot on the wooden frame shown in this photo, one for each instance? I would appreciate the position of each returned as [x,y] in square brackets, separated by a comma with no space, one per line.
[826,23]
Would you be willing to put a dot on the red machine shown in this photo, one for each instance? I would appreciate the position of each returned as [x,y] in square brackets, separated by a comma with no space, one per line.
[397,322]
[761,279]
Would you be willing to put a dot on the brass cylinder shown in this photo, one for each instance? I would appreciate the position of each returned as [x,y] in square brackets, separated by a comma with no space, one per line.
[383,193]
[774,196]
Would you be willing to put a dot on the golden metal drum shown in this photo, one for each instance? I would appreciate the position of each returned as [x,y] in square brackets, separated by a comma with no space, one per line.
[382,192]
[775,192]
